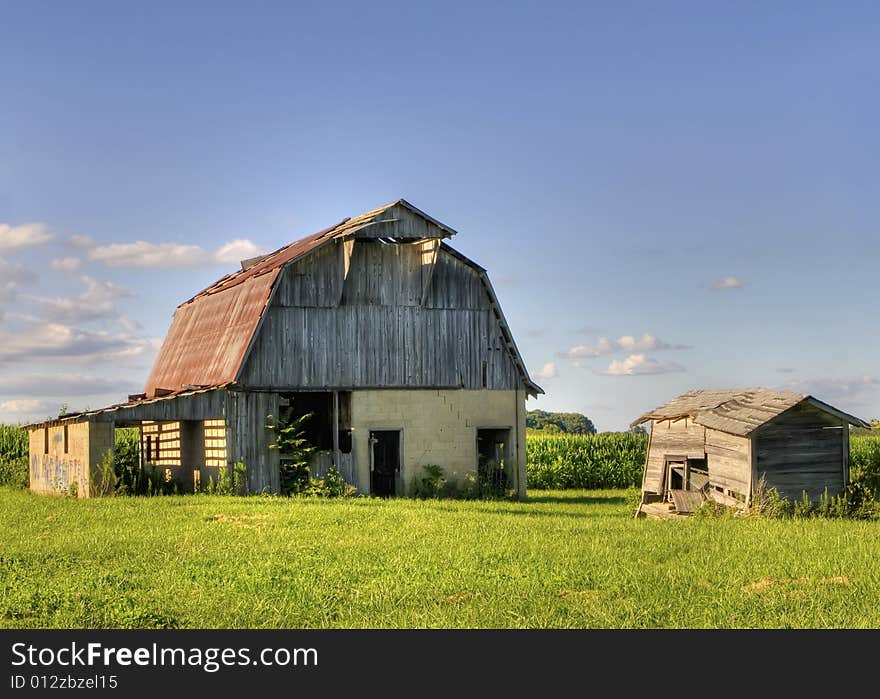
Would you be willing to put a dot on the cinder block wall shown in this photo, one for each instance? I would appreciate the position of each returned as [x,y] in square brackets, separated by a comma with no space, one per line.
[439,427]
[55,470]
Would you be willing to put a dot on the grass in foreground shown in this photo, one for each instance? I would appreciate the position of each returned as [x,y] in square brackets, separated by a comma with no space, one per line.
[563,559]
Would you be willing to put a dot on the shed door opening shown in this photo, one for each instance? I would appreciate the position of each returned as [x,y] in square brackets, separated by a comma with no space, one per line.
[384,461]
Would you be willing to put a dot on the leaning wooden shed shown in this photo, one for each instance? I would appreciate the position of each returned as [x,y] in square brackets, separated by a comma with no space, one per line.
[719,444]
[393,341]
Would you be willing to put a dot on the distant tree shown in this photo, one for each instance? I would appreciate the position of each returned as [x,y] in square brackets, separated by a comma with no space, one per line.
[572,423]
[638,429]
[875,424]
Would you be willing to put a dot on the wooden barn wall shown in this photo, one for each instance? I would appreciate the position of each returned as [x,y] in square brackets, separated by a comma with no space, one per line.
[400,223]
[728,460]
[670,437]
[315,280]
[248,438]
[386,274]
[381,337]
[197,406]
[455,284]
[802,450]
[379,347]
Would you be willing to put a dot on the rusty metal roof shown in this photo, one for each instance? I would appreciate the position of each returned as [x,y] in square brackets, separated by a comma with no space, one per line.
[211,332]
[737,411]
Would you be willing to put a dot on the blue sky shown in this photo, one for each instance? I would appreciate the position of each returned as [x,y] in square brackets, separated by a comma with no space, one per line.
[667,196]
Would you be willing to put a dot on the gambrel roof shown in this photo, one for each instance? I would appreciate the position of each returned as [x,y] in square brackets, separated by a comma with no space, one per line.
[738,411]
[210,334]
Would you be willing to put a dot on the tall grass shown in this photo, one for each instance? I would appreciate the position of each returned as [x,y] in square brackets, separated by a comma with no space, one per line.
[605,460]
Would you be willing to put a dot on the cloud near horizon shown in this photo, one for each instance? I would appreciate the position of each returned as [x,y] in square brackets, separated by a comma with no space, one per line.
[625,343]
[98,300]
[640,364]
[27,406]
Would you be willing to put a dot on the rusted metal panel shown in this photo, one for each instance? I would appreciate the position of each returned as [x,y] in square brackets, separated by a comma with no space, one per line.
[209,336]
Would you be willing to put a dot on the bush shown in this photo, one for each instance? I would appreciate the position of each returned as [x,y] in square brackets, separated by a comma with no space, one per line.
[294,451]
[433,485]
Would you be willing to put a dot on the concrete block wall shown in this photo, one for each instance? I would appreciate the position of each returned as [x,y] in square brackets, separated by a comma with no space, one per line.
[56,470]
[439,427]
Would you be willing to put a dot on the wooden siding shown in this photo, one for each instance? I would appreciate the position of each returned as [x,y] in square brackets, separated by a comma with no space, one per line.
[248,438]
[203,405]
[387,274]
[313,281]
[455,284]
[677,437]
[397,221]
[379,347]
[728,460]
[802,450]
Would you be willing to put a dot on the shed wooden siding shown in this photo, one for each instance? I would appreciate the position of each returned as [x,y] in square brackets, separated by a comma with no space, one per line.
[802,450]
[380,337]
[677,437]
[728,460]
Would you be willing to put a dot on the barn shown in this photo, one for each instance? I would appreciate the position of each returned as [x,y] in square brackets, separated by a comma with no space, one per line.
[719,444]
[392,340]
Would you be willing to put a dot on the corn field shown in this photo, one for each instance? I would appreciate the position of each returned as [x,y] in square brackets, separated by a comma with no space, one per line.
[606,460]
[864,462]
[13,456]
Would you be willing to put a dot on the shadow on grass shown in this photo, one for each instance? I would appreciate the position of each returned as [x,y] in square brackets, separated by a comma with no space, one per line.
[578,500]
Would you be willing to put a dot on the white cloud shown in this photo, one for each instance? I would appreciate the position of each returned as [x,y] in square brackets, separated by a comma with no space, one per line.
[12,275]
[65,342]
[146,255]
[25,405]
[68,384]
[98,300]
[27,234]
[65,264]
[625,343]
[729,283]
[637,364]
[236,250]
[548,371]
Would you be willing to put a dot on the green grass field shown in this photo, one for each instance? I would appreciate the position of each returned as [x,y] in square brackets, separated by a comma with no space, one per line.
[563,559]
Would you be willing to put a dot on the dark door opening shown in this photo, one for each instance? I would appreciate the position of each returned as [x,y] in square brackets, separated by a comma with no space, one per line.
[384,461]
[492,466]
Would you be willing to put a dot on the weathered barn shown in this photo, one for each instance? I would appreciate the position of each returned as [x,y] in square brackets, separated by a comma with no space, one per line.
[390,337]
[719,444]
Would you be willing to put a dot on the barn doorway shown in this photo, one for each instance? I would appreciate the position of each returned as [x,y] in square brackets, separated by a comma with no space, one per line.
[384,462]
[492,449]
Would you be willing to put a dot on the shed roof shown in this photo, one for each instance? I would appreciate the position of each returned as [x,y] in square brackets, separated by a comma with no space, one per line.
[211,332]
[738,410]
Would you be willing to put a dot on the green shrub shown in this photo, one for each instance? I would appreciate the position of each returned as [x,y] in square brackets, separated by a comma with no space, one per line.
[294,451]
